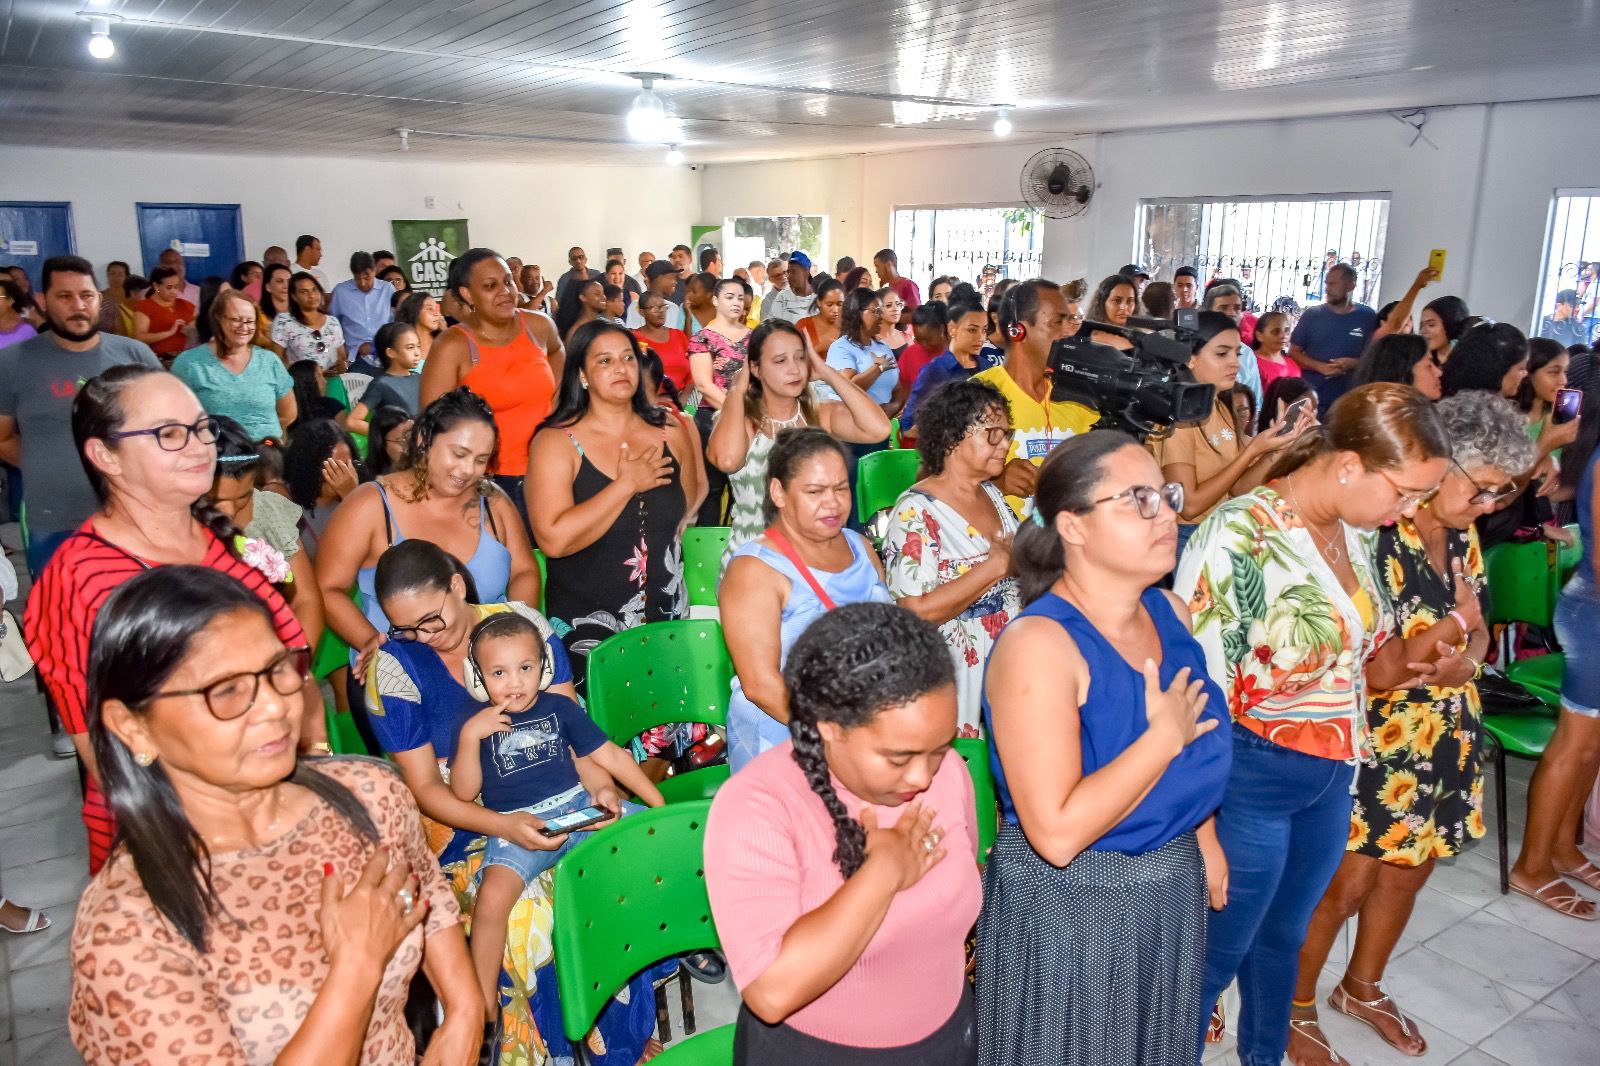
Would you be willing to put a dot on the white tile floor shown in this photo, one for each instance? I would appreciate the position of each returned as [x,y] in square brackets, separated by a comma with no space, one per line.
[1493,980]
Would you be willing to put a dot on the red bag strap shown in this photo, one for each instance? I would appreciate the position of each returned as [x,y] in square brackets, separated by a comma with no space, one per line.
[781,542]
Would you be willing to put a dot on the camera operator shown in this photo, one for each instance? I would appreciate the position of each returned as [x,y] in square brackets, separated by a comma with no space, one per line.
[1032,317]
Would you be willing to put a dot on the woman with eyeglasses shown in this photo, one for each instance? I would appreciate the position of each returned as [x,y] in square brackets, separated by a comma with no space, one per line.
[1110,765]
[442,494]
[258,908]
[149,450]
[891,331]
[947,554]
[233,377]
[306,331]
[418,689]
[1419,795]
[1289,604]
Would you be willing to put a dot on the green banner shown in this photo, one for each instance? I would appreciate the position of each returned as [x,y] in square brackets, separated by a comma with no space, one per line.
[425,248]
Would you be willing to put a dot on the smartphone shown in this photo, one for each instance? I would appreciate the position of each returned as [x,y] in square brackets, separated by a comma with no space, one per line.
[1187,317]
[1568,401]
[571,823]
[1292,416]
[1436,261]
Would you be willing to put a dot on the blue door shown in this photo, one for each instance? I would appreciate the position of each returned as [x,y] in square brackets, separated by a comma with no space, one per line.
[209,236]
[31,232]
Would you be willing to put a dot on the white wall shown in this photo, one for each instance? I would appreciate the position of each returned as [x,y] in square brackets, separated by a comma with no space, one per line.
[1483,194]
[533,211]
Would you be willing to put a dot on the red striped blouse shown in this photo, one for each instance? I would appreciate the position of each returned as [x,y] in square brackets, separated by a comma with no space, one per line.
[60,616]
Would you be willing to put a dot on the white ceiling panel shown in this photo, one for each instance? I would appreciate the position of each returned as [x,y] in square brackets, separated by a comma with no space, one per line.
[749,79]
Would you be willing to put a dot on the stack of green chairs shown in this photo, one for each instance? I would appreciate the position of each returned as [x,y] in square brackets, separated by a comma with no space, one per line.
[702,559]
[1522,588]
[631,895]
[880,479]
[657,674]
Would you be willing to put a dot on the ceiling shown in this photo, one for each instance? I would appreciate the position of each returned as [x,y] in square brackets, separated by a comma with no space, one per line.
[532,80]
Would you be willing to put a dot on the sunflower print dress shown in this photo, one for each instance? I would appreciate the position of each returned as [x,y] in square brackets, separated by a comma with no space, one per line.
[1419,794]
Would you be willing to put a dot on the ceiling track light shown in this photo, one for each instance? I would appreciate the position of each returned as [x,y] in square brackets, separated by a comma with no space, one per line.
[647,118]
[100,44]
[1002,122]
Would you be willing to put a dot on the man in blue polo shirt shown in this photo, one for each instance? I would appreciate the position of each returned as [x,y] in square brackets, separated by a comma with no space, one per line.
[1328,340]
[362,305]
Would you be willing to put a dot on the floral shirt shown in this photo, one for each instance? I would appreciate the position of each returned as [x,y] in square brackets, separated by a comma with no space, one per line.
[1282,638]
[929,544]
[726,358]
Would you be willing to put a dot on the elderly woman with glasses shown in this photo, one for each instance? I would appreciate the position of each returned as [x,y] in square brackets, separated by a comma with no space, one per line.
[149,451]
[258,908]
[1419,793]
[947,555]
[235,378]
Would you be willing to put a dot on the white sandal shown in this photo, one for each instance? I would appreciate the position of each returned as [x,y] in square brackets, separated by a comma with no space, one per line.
[1304,1027]
[37,920]
[1377,1006]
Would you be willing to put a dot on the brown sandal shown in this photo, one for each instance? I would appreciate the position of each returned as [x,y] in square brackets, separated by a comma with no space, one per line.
[1340,1000]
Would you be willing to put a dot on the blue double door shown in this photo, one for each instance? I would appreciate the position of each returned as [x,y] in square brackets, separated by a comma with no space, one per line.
[210,237]
[32,231]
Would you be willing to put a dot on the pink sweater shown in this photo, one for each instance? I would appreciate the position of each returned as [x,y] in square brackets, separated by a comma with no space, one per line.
[769,860]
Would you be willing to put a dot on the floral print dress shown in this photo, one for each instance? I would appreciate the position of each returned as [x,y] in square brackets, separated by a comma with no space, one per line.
[1419,796]
[929,544]
[1283,640]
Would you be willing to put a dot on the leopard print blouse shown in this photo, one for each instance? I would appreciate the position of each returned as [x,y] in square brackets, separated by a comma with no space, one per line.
[142,994]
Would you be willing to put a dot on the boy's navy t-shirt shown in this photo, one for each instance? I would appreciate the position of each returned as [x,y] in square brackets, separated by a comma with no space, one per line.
[532,763]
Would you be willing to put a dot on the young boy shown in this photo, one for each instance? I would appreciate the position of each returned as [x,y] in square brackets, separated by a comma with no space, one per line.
[518,753]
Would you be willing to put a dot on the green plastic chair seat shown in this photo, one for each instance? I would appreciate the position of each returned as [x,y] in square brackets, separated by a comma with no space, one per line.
[974,751]
[699,784]
[1520,734]
[702,559]
[713,1048]
[881,477]
[1540,674]
[632,894]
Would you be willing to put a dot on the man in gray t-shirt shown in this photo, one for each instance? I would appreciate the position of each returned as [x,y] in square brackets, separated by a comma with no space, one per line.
[38,380]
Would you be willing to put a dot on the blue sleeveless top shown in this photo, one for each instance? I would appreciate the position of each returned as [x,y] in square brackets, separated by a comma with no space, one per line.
[750,729]
[1112,718]
[490,567]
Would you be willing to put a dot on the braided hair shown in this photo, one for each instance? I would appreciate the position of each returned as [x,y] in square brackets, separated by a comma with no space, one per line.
[847,667]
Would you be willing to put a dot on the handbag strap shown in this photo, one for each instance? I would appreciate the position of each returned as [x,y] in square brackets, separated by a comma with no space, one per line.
[781,542]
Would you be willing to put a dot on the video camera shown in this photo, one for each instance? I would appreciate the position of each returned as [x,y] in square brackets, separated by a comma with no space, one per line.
[1143,391]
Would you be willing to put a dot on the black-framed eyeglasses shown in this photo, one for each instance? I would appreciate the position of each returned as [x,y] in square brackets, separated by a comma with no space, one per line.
[229,697]
[1482,497]
[993,434]
[426,626]
[1147,499]
[174,436]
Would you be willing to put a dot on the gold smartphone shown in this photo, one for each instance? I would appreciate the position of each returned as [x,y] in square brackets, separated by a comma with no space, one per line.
[1436,261]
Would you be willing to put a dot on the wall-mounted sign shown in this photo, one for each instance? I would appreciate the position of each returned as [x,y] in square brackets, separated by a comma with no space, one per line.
[426,247]
[19,247]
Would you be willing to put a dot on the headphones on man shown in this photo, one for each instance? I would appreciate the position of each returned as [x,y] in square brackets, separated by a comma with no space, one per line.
[484,629]
[1006,318]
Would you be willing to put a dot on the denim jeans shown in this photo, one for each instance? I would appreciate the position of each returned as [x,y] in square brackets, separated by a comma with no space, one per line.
[527,863]
[1283,825]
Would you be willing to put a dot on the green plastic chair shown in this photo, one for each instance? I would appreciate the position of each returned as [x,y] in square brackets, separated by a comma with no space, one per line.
[631,895]
[544,575]
[360,441]
[1523,588]
[1525,736]
[335,390]
[881,477]
[975,752]
[894,432]
[702,560]
[659,673]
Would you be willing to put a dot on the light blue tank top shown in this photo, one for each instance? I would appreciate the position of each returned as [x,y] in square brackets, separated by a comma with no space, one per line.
[750,729]
[490,567]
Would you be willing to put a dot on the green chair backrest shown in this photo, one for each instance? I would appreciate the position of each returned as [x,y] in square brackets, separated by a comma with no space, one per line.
[881,477]
[336,390]
[658,673]
[702,560]
[632,894]
[544,575]
[1522,585]
[894,432]
[360,441]
[975,752]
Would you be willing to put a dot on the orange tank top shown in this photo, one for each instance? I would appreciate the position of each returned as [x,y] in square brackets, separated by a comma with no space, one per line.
[516,381]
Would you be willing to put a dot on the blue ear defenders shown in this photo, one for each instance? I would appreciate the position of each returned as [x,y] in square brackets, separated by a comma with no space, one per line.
[474,673]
